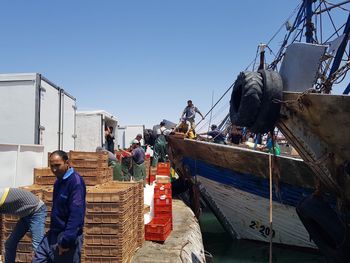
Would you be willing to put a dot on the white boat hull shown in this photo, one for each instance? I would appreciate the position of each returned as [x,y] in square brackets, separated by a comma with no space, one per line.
[248,215]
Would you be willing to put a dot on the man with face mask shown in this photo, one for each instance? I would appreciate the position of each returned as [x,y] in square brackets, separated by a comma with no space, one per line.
[64,240]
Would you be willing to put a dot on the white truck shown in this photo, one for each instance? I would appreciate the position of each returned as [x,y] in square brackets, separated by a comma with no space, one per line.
[128,133]
[90,129]
[35,111]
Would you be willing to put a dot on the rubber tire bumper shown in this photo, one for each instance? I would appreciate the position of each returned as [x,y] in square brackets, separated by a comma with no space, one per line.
[255,100]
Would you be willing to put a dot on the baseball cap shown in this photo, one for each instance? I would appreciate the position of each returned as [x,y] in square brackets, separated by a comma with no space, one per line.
[135,142]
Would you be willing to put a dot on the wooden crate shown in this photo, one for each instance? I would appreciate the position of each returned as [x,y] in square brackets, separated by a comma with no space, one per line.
[48,194]
[108,218]
[45,180]
[35,189]
[108,229]
[106,251]
[43,171]
[107,240]
[100,195]
[24,257]
[97,172]
[89,156]
[25,247]
[89,163]
[112,208]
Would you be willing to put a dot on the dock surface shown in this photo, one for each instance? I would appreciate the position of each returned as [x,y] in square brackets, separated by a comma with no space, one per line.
[184,244]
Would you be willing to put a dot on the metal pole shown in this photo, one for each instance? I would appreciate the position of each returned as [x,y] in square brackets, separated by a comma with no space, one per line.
[340,53]
[262,56]
[308,22]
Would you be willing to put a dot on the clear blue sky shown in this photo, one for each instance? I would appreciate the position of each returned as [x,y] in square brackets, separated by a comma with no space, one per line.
[139,60]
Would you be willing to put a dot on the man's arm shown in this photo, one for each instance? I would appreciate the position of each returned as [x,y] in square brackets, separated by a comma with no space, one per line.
[197,110]
[183,113]
[76,217]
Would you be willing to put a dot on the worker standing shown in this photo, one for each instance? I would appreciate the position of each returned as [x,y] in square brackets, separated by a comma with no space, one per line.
[138,161]
[160,145]
[64,240]
[32,213]
[190,112]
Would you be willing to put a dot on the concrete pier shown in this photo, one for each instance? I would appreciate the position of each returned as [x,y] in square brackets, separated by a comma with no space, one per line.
[184,244]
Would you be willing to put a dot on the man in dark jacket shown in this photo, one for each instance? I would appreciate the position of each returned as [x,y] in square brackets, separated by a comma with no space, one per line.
[64,240]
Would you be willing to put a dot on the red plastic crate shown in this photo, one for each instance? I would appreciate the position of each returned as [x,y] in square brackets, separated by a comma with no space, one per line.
[163,209]
[158,229]
[162,199]
[152,178]
[162,189]
[163,168]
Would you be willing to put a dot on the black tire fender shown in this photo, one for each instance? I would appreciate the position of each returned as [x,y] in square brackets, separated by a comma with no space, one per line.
[246,98]
[270,104]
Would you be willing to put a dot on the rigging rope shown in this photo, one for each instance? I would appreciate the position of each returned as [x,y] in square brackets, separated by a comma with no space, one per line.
[216,103]
[270,190]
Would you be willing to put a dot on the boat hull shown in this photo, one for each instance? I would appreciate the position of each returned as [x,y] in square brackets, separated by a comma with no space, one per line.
[241,197]
[248,215]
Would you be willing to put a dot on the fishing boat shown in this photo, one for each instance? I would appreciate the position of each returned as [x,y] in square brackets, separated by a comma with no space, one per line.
[292,93]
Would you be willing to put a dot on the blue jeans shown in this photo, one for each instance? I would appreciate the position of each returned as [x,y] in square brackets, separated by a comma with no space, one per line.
[47,252]
[35,223]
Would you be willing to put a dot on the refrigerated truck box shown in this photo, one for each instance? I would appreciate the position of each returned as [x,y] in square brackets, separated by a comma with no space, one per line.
[128,133]
[36,111]
[90,129]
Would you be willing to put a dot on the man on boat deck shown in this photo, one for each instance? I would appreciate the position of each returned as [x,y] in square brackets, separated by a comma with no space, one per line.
[190,112]
[216,135]
[63,242]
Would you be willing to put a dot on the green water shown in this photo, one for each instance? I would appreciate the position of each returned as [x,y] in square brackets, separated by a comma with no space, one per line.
[224,249]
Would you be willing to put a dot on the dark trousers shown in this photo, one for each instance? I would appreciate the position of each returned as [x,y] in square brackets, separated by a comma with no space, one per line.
[48,251]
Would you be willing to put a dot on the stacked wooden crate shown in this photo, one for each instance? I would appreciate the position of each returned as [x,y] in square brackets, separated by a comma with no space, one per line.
[147,165]
[112,223]
[92,166]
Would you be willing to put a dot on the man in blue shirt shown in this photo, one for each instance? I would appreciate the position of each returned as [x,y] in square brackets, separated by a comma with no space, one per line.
[64,240]
[216,135]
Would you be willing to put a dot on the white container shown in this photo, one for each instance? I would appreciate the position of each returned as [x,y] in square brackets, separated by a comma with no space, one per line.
[91,129]
[128,133]
[17,164]
[34,110]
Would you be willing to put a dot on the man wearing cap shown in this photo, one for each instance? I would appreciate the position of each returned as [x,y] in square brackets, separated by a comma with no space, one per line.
[138,137]
[138,161]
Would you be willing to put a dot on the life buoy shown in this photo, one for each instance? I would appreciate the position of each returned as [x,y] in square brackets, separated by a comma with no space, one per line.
[254,100]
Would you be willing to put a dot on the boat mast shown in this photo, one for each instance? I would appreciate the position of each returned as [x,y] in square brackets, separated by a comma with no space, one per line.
[308,21]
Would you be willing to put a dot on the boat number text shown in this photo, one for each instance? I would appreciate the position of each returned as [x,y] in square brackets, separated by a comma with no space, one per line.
[265,231]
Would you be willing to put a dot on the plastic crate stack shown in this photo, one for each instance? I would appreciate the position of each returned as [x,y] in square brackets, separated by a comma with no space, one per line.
[92,166]
[24,248]
[152,174]
[113,222]
[161,225]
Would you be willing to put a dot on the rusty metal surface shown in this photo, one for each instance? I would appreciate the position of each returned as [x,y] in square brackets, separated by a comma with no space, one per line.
[318,126]
[292,171]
